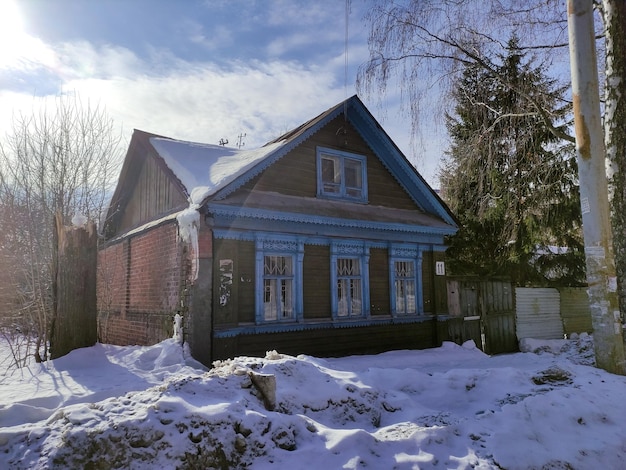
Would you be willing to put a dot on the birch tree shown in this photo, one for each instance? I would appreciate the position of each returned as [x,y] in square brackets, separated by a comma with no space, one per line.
[421,44]
[62,159]
[614,18]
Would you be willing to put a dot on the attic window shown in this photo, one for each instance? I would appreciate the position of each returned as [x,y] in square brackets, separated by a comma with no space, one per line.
[341,175]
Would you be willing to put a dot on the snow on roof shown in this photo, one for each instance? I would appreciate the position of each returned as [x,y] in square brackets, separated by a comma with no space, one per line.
[205,168]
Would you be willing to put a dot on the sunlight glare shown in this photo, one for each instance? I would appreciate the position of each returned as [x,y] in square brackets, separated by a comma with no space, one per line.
[17,47]
[11,24]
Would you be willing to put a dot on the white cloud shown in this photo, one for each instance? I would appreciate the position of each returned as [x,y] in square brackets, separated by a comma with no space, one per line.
[202,101]
[288,12]
[197,101]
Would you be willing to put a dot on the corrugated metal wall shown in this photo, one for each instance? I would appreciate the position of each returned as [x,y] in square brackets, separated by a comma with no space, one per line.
[538,313]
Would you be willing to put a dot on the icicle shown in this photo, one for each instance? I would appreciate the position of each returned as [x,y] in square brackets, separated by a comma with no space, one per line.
[178,329]
[188,222]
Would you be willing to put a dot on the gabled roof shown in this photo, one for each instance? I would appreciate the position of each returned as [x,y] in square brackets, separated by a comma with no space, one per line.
[205,171]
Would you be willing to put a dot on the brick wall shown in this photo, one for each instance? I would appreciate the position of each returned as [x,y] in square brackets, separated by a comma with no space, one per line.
[140,280]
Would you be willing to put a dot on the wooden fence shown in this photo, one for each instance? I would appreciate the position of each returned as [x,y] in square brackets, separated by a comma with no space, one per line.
[74,289]
[482,310]
[496,315]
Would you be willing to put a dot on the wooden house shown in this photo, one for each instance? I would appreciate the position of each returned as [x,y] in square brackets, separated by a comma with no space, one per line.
[325,241]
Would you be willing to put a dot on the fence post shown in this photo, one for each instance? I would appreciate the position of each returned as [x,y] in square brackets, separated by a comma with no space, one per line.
[74,323]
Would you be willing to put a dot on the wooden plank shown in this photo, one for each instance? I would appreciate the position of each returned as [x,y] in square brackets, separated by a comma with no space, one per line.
[500,333]
[74,322]
[331,342]
[379,282]
[316,273]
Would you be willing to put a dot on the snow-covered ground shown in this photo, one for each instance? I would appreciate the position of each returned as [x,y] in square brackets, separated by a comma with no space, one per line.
[450,407]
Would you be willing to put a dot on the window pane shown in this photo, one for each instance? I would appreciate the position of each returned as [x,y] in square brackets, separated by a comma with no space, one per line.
[343,298]
[400,307]
[405,287]
[354,175]
[405,268]
[348,267]
[355,294]
[331,171]
[410,297]
[286,303]
[278,265]
[278,287]
[349,297]
[269,305]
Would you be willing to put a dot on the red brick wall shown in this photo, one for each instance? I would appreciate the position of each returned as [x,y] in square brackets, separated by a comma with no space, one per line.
[140,280]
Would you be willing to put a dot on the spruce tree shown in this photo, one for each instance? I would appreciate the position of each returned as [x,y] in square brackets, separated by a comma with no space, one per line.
[510,181]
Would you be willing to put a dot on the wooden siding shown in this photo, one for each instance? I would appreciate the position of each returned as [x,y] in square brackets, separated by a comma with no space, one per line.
[440,289]
[379,282]
[153,195]
[296,173]
[234,303]
[428,271]
[316,273]
[332,342]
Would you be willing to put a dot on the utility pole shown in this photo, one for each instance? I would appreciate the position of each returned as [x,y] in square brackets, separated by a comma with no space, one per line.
[594,199]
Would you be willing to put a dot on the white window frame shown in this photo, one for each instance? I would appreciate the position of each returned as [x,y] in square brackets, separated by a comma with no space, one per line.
[279,286]
[283,248]
[404,305]
[359,253]
[341,190]
[349,288]
[406,253]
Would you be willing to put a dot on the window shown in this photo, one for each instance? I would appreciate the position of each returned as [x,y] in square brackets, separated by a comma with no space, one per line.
[278,279]
[341,175]
[349,292]
[404,287]
[278,296]
[405,279]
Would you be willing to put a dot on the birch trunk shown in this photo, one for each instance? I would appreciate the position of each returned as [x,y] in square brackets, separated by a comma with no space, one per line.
[614,135]
[594,199]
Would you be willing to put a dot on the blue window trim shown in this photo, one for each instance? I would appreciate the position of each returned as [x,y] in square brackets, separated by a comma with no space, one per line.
[350,249]
[287,245]
[279,246]
[406,252]
[342,157]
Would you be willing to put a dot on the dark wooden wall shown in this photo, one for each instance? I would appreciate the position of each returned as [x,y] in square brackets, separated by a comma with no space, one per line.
[153,195]
[428,285]
[316,282]
[300,167]
[379,282]
[240,305]
[332,342]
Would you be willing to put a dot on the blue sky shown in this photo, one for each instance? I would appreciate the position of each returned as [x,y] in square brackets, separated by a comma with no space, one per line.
[191,69]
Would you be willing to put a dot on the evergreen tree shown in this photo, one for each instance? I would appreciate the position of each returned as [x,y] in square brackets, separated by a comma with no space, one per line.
[510,181]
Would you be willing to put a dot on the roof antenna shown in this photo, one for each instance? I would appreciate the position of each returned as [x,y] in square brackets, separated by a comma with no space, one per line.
[240,142]
[223,142]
